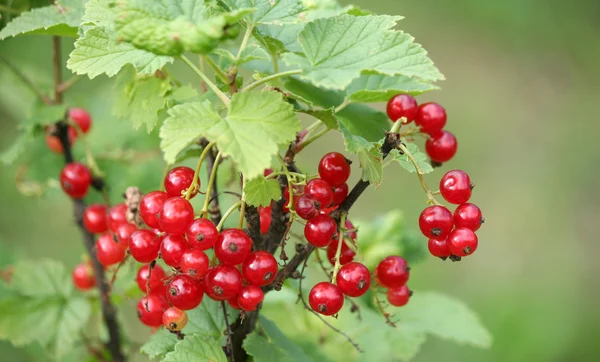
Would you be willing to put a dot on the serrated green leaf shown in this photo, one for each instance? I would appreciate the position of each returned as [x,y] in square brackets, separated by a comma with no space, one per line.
[43,114]
[369,155]
[159,344]
[327,116]
[272,346]
[41,279]
[60,19]
[407,164]
[270,11]
[72,319]
[254,128]
[338,49]
[260,192]
[372,87]
[10,155]
[196,348]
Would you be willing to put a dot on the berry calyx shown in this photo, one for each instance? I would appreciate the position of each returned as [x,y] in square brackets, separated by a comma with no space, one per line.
[326,298]
[109,252]
[185,292]
[94,219]
[144,246]
[81,117]
[116,216]
[174,319]
[176,216]
[402,105]
[438,248]
[260,268]
[321,190]
[194,262]
[431,117]
[353,279]
[123,234]
[150,309]
[462,242]
[468,216]
[172,248]
[202,234]
[150,207]
[250,297]
[265,218]
[320,230]
[75,179]
[178,180]
[436,222]
[456,186]
[334,168]
[441,146]
[151,282]
[398,297]
[393,272]
[306,206]
[339,194]
[83,277]
[346,256]
[222,282]
[233,246]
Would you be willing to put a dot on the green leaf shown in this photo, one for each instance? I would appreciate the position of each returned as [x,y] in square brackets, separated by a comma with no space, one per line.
[327,116]
[43,114]
[339,48]
[62,19]
[254,128]
[249,53]
[260,192]
[270,11]
[272,346]
[196,348]
[372,87]
[406,163]
[159,344]
[10,155]
[369,155]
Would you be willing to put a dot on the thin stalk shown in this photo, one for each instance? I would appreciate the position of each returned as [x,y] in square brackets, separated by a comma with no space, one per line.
[44,98]
[243,201]
[420,173]
[244,43]
[290,204]
[209,188]
[227,213]
[194,185]
[222,76]
[270,78]
[222,96]
[338,252]
[343,105]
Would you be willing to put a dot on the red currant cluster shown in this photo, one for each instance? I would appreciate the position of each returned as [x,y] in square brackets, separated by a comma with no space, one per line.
[81,118]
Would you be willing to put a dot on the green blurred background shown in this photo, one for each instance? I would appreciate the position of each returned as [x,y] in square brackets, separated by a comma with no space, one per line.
[520,92]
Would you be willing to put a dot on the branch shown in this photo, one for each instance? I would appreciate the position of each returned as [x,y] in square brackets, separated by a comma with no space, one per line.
[253,221]
[44,98]
[229,334]
[57,69]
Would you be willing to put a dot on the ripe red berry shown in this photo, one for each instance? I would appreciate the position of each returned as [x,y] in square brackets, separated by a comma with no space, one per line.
[441,147]
[109,252]
[306,206]
[265,218]
[123,234]
[320,231]
[94,219]
[194,262]
[326,298]
[151,282]
[431,117]
[339,194]
[250,297]
[222,282]
[462,242]
[185,292]
[54,144]
[260,268]
[172,248]
[334,168]
[150,309]
[144,246]
[402,105]
[75,179]
[298,190]
[398,297]
[455,187]
[116,216]
[178,180]
[202,234]
[174,319]
[81,117]
[233,246]
[353,279]
[436,222]
[393,272]
[150,207]
[83,276]
[176,216]
[321,190]
[468,216]
[438,248]
[346,256]
[233,303]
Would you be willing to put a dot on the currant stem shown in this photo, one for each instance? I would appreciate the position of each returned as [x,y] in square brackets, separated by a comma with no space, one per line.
[338,252]
[244,43]
[343,105]
[194,185]
[270,78]
[208,82]
[430,198]
[89,157]
[227,213]
[290,204]
[382,310]
[209,188]
[243,206]
[315,137]
[222,76]
[295,175]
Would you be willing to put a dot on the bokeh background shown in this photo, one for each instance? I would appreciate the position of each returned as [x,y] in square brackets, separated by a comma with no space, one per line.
[521,94]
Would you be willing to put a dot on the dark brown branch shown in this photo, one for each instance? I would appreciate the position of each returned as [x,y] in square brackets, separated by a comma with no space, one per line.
[57,69]
[228,331]
[242,327]
[44,98]
[253,220]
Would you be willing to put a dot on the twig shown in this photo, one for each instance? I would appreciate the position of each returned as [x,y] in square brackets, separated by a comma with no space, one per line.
[66,85]
[44,98]
[208,82]
[381,308]
[229,333]
[57,69]
[214,210]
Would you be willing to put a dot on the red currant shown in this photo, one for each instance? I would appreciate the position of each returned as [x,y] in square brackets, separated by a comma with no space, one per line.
[174,319]
[83,277]
[233,303]
[108,251]
[353,279]
[144,246]
[352,230]
[393,272]
[340,193]
[431,117]
[222,282]
[267,172]
[320,190]
[150,309]
[250,297]
[462,242]
[172,248]
[176,216]
[150,207]
[346,256]
[185,292]
[233,246]
[202,234]
[441,147]
[334,168]
[54,144]
[326,298]
[194,263]
[455,187]
[151,282]
[178,180]
[398,297]
[94,219]
[402,105]
[75,179]
[260,268]
[116,216]
[306,206]
[320,230]
[436,222]
[265,218]
[123,234]
[468,216]
[298,190]
[81,117]
[438,248]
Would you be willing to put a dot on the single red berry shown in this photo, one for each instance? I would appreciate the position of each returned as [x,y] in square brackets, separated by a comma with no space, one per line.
[260,268]
[174,319]
[83,276]
[468,216]
[334,168]
[178,180]
[144,246]
[75,179]
[222,282]
[172,248]
[150,207]
[116,216]
[202,234]
[81,117]
[267,171]
[265,218]
[233,246]
[398,297]
[320,231]
[185,292]
[346,256]
[109,252]
[123,234]
[340,193]
[438,248]
[94,219]
[250,297]
[151,282]
[326,298]
[462,242]
[431,117]
[321,190]
[351,229]
[194,262]
[54,144]
[456,186]
[436,222]
[150,309]
[306,206]
[441,147]
[402,105]
[176,216]
[353,279]
[233,303]
[393,272]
